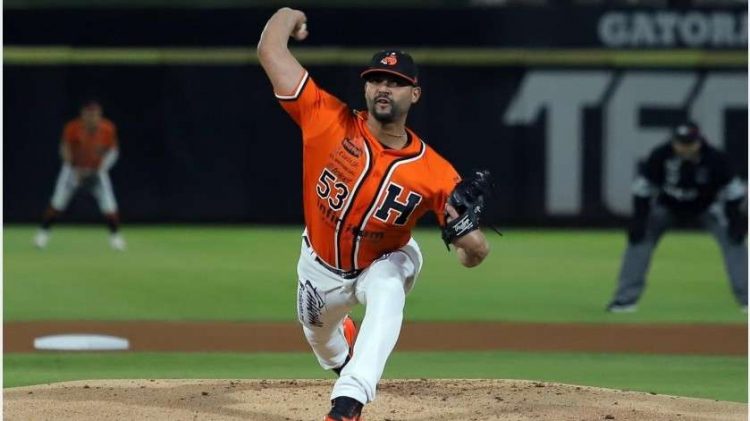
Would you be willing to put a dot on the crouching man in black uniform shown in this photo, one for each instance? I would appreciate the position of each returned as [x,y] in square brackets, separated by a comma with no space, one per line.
[684,179]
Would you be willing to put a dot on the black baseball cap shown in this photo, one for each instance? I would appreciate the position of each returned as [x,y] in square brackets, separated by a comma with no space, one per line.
[395,62]
[686,133]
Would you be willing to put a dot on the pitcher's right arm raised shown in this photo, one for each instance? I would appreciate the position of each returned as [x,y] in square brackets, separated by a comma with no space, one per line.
[282,68]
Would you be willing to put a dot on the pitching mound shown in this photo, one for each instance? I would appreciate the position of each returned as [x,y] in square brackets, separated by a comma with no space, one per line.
[282,400]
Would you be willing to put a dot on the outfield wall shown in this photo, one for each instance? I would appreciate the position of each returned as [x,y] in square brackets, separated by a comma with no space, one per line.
[558,103]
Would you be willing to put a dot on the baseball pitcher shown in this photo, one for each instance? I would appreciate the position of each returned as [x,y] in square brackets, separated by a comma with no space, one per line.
[367,179]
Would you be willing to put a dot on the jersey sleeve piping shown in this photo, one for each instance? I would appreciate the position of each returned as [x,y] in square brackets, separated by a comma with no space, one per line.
[297,91]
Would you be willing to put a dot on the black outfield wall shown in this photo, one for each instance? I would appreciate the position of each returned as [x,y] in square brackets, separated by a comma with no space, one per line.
[209,143]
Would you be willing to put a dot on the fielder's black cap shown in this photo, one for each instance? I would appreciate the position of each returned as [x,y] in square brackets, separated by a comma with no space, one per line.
[395,62]
[687,133]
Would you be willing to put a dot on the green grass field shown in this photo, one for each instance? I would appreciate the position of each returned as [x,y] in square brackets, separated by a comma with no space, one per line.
[249,273]
[706,377]
[246,273]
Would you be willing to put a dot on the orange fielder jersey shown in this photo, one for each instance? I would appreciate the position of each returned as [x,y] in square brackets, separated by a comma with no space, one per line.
[86,148]
[361,198]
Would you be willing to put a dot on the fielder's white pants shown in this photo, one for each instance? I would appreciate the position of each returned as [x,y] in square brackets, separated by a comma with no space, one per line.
[324,299]
[67,184]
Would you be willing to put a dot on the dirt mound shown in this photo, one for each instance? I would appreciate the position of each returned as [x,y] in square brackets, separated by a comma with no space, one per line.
[282,400]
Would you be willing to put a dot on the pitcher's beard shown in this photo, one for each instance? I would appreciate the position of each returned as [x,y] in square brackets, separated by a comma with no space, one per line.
[384,116]
[388,117]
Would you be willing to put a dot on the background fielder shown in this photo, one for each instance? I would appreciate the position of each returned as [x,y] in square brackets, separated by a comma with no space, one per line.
[89,149]
[684,179]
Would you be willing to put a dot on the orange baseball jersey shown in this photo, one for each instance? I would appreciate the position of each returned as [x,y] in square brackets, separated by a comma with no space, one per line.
[87,149]
[361,198]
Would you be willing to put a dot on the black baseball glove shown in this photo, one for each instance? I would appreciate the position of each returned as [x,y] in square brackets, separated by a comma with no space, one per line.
[468,198]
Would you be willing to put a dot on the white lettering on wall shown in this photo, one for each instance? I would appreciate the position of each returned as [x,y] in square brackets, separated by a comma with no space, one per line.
[563,95]
[695,29]
[719,92]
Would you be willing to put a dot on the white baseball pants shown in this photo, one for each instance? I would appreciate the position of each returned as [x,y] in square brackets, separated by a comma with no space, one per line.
[324,299]
[67,184]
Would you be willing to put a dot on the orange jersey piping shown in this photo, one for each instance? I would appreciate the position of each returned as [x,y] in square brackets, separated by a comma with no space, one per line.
[352,197]
[392,167]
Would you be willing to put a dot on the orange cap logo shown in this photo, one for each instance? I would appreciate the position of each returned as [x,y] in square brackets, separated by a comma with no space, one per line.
[389,60]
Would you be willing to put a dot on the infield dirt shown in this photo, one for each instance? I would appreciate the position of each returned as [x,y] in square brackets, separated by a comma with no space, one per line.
[304,400]
[424,399]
